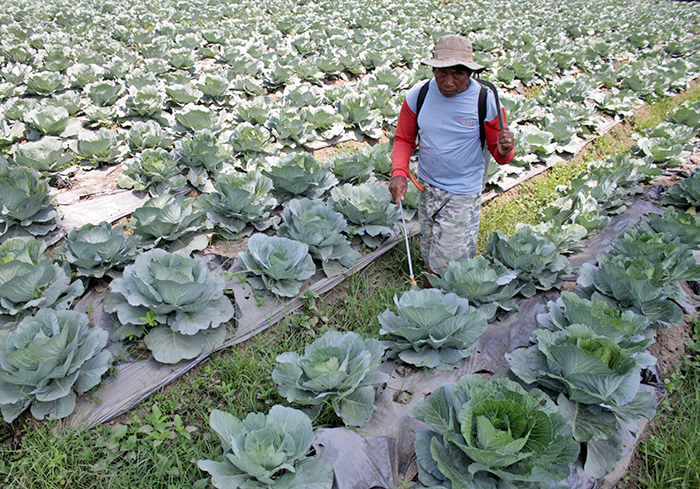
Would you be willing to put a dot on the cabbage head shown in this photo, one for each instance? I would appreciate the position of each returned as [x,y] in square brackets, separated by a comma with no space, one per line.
[154,169]
[98,250]
[599,385]
[27,207]
[175,301]
[279,265]
[492,434]
[29,281]
[489,286]
[313,222]
[536,260]
[369,209]
[626,328]
[300,174]
[240,202]
[166,218]
[46,360]
[47,155]
[266,452]
[643,273]
[432,329]
[338,370]
[352,168]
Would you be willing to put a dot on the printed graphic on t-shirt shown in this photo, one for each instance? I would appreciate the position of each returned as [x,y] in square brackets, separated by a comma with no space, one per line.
[465,121]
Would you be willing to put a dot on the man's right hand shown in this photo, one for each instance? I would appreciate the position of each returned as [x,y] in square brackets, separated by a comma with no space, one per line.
[398,187]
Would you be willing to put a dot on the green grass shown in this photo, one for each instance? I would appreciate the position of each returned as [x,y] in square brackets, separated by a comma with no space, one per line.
[532,196]
[659,110]
[670,454]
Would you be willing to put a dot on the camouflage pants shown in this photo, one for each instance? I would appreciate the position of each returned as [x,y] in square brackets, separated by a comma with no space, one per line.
[449,226]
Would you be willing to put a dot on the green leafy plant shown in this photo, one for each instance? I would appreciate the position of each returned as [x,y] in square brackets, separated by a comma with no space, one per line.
[47,155]
[352,168]
[599,385]
[101,147]
[155,170]
[627,329]
[320,227]
[338,370]
[432,329]
[489,286]
[488,434]
[266,452]
[53,121]
[369,209]
[685,194]
[279,265]
[187,300]
[95,250]
[642,273]
[300,174]
[240,203]
[167,219]
[46,360]
[683,226]
[535,259]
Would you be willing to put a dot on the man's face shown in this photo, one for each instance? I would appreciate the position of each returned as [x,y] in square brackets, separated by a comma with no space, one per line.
[451,80]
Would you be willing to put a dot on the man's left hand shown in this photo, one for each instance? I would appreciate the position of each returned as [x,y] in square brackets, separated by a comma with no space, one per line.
[506,141]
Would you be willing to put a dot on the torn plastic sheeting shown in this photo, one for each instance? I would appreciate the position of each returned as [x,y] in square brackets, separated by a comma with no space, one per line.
[358,456]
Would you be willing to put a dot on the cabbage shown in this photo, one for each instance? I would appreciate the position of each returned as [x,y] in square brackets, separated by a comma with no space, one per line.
[279,265]
[46,360]
[489,286]
[536,260]
[316,224]
[240,199]
[337,370]
[266,452]
[491,434]
[300,174]
[599,384]
[95,250]
[432,329]
[175,301]
[369,209]
[27,207]
[29,281]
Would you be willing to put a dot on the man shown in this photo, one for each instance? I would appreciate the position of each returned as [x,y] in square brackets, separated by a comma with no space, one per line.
[450,157]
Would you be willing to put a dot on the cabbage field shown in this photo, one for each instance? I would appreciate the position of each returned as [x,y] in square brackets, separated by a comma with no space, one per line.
[136,136]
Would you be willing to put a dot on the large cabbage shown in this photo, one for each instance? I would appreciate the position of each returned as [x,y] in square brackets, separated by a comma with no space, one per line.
[29,281]
[432,329]
[266,452]
[279,265]
[27,207]
[492,434]
[313,222]
[369,209]
[537,261]
[599,385]
[175,301]
[338,370]
[489,286]
[46,360]
[240,202]
[96,250]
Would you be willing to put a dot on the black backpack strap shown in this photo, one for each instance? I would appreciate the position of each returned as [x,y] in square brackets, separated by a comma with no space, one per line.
[482,115]
[421,98]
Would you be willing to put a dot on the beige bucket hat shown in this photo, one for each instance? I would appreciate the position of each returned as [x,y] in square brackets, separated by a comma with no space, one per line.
[453,50]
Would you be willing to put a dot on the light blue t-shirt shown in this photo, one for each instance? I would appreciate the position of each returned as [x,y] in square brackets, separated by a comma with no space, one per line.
[449,152]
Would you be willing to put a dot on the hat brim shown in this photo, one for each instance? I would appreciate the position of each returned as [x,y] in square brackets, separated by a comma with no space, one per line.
[446,63]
